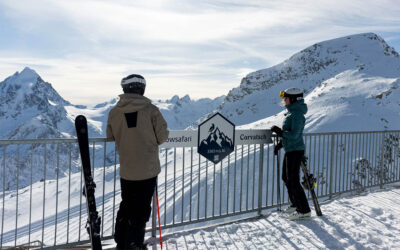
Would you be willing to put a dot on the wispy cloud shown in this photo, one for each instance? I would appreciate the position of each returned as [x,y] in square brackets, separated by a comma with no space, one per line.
[180,46]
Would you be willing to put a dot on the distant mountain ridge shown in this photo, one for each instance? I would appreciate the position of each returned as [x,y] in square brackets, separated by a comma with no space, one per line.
[351,84]
[31,108]
[255,99]
[362,64]
[180,113]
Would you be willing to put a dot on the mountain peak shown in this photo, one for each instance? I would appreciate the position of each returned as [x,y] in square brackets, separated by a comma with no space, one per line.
[27,90]
[358,47]
[351,51]
[27,70]
[186,98]
[366,53]
[28,74]
[176,99]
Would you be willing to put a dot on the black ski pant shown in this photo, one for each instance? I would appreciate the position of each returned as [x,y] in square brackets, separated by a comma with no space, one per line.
[291,177]
[134,211]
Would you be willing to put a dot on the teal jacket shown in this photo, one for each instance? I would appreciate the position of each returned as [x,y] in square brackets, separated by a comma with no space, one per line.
[293,127]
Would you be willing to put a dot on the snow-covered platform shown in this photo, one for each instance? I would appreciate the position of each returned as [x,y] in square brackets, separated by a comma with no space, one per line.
[367,221]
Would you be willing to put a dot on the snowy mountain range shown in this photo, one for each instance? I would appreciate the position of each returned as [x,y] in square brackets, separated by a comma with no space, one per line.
[31,108]
[346,80]
[351,84]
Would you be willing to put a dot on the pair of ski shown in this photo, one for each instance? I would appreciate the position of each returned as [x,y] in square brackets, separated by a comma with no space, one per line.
[94,220]
[309,182]
[310,185]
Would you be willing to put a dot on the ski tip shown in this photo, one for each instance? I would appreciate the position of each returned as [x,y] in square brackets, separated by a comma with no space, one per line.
[80,118]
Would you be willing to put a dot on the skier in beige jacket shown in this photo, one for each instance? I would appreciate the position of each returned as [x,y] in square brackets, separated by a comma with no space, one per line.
[138,128]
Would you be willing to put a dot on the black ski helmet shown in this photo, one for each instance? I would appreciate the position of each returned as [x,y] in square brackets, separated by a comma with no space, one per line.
[294,94]
[134,83]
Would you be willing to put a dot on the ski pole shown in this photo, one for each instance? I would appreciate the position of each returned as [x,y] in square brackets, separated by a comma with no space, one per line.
[278,180]
[159,220]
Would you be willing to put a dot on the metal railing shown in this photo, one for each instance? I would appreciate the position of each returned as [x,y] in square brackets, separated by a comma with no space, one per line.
[41,188]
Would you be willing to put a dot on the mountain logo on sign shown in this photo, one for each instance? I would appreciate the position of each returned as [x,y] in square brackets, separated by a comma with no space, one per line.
[216,143]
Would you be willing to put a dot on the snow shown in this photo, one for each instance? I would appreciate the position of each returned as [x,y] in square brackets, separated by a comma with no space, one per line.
[362,221]
[52,103]
[348,73]
[351,83]
[367,221]
[27,75]
[348,102]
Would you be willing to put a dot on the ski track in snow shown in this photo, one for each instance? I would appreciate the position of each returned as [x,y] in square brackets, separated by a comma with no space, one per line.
[368,221]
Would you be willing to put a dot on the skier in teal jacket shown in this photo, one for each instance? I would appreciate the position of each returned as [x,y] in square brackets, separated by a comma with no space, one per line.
[292,141]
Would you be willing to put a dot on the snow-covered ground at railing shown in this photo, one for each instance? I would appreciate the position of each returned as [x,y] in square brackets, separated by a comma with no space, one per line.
[367,221]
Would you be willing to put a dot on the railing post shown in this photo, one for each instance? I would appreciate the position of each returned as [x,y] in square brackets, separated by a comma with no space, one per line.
[278,179]
[154,215]
[260,178]
[331,166]
[382,160]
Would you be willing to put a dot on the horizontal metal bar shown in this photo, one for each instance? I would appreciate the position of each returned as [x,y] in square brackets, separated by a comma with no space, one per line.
[73,140]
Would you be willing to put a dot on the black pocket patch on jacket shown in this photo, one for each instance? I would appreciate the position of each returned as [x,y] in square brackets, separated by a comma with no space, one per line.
[131,119]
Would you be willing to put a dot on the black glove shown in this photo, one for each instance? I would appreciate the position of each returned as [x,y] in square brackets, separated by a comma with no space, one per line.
[277,130]
[277,147]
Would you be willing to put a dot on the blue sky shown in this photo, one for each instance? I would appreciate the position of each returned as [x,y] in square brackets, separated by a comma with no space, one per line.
[201,48]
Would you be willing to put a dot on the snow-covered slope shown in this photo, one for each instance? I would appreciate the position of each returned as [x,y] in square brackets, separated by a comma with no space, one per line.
[370,220]
[350,101]
[351,83]
[31,108]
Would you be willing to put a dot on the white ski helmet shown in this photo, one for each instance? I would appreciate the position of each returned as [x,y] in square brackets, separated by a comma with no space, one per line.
[294,94]
[133,84]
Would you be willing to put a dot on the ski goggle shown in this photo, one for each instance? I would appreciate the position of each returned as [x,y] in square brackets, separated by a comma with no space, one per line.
[282,94]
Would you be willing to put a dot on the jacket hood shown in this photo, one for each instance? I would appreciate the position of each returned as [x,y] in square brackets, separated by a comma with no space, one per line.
[298,106]
[135,102]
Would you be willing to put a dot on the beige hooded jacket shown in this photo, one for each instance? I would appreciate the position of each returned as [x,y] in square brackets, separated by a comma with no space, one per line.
[137,127]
